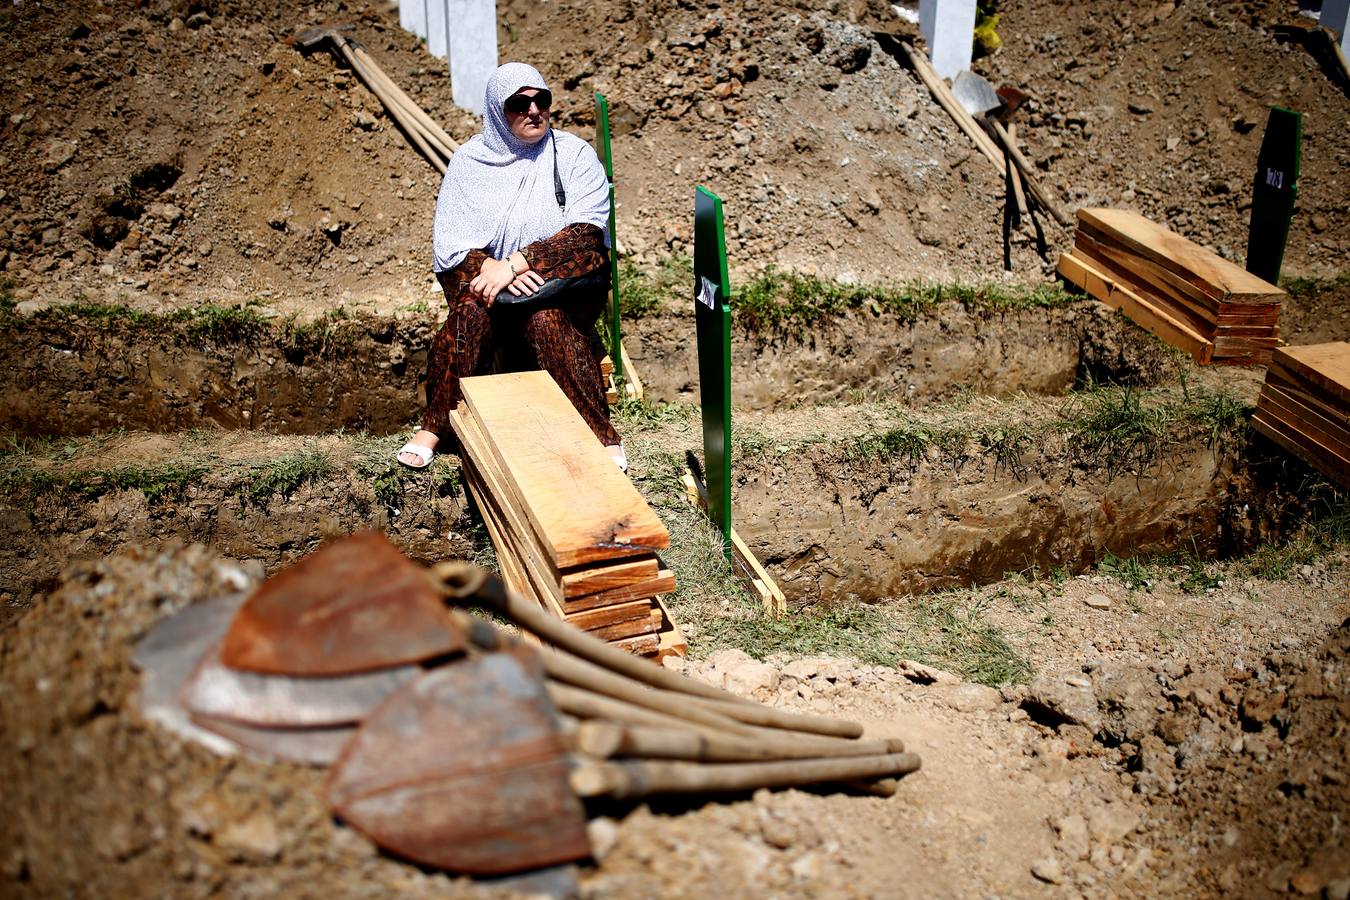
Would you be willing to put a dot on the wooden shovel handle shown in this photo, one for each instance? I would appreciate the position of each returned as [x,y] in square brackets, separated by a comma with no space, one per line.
[631,780]
[711,711]
[463,582]
[585,704]
[605,740]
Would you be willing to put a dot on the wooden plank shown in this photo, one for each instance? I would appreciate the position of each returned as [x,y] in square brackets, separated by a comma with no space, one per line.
[1087,243]
[1216,276]
[515,534]
[1177,306]
[1327,432]
[606,366]
[664,583]
[649,624]
[770,595]
[632,383]
[640,645]
[1297,390]
[671,640]
[583,507]
[1322,460]
[1325,365]
[1113,294]
[610,615]
[605,577]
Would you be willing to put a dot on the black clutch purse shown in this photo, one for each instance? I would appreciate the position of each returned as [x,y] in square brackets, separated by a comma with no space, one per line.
[555,290]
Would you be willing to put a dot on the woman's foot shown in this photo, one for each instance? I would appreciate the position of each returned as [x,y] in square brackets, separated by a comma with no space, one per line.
[417,453]
[616,453]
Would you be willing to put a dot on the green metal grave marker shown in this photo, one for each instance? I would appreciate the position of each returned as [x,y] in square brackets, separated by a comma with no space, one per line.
[1274,193]
[712,318]
[603,149]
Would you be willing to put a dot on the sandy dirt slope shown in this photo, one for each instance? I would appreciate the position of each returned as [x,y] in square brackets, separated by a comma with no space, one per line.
[167,153]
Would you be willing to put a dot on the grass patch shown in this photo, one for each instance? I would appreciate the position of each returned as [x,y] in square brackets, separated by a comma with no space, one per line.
[1324,532]
[282,477]
[776,301]
[1126,428]
[642,291]
[199,325]
[333,331]
[1311,287]
[911,441]
[27,484]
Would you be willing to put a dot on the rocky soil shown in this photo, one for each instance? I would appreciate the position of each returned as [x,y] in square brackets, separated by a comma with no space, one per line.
[167,153]
[1179,735]
[1121,772]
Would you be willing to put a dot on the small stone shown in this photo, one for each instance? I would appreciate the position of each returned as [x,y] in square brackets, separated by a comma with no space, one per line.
[603,833]
[1338,889]
[1318,222]
[1139,108]
[1173,143]
[255,837]
[971,697]
[921,674]
[1098,601]
[807,868]
[1048,870]
[363,120]
[1073,836]
[57,153]
[1306,883]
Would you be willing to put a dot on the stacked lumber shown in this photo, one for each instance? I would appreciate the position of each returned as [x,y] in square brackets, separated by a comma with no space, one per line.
[1304,406]
[569,528]
[632,384]
[1189,297]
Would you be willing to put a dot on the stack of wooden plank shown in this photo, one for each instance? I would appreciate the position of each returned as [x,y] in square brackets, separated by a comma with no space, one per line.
[1189,297]
[569,528]
[1304,406]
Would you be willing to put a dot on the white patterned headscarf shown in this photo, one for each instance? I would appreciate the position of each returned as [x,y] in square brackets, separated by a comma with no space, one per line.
[498,194]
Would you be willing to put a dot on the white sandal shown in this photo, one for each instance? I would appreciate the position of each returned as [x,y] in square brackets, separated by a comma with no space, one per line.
[424,454]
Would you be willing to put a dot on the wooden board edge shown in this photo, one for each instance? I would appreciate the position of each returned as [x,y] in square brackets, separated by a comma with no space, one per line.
[771,597]
[1109,291]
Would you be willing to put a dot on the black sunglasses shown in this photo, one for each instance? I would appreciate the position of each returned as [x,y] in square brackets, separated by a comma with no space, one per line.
[519,104]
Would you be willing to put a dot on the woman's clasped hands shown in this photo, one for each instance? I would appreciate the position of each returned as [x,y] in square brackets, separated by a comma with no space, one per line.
[496,275]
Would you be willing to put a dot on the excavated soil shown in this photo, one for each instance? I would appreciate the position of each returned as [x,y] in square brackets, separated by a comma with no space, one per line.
[1128,768]
[173,153]
[1169,740]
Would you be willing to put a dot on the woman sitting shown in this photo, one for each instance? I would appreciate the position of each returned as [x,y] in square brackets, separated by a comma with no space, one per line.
[522,206]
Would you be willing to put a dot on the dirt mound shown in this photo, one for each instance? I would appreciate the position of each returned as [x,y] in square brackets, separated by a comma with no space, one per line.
[179,153]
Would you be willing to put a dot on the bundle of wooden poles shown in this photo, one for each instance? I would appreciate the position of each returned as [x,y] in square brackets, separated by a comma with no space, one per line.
[1191,298]
[569,528]
[452,743]
[1304,406]
[430,139]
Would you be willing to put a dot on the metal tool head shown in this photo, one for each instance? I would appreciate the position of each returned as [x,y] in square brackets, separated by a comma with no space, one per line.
[463,769]
[287,701]
[355,605]
[974,93]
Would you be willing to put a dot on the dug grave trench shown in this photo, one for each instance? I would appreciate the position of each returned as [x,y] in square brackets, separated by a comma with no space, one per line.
[83,369]
[882,505]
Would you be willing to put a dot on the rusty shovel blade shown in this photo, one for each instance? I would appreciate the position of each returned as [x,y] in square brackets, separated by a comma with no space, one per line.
[356,605]
[306,746]
[287,701]
[463,769]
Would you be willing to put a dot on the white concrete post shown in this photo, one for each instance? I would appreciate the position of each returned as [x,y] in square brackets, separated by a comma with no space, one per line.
[1336,17]
[437,23]
[412,16]
[473,50]
[948,26]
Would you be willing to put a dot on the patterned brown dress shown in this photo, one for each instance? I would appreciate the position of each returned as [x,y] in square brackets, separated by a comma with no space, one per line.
[558,338]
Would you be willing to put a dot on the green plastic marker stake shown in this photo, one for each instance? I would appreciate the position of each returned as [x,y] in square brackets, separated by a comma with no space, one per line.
[1274,192]
[602,148]
[712,317]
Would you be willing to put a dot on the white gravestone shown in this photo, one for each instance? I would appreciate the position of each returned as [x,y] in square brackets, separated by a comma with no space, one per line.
[1336,17]
[437,25]
[949,28]
[412,16]
[473,50]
